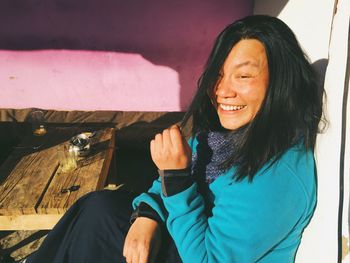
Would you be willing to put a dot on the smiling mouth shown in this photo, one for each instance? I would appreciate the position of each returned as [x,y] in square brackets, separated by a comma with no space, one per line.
[231,107]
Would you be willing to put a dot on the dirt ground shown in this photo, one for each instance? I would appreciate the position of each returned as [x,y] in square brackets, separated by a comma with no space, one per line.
[16,245]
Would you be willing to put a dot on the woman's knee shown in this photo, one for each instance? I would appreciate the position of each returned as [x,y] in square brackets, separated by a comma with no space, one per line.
[106,203]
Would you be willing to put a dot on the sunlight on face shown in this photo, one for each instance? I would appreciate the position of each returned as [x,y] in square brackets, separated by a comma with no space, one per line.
[243,83]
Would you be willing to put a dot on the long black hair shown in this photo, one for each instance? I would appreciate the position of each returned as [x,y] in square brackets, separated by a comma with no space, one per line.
[291,110]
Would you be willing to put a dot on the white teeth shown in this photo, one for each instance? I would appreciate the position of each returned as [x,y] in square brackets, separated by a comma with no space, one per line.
[231,108]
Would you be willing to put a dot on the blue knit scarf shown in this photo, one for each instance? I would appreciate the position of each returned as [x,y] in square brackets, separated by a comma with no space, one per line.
[213,148]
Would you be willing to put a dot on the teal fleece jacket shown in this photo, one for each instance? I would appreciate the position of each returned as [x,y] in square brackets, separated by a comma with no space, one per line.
[261,221]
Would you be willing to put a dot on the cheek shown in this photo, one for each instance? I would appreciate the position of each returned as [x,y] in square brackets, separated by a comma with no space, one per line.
[259,96]
[254,96]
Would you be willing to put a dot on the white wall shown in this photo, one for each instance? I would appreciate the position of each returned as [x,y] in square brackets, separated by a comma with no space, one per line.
[311,21]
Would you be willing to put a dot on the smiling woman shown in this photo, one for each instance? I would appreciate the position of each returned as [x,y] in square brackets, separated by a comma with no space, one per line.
[242,189]
[242,85]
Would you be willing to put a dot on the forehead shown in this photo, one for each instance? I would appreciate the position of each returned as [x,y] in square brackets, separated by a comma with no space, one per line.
[246,53]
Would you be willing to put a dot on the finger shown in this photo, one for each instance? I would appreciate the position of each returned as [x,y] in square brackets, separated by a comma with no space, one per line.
[128,254]
[152,148]
[158,142]
[184,141]
[125,247]
[176,137]
[125,253]
[167,144]
[129,248]
[144,255]
[129,257]
[135,256]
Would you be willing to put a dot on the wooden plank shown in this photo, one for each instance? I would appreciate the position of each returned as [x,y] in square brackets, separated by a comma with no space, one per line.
[91,173]
[10,177]
[29,222]
[31,182]
[27,181]
[86,176]
[26,173]
[109,154]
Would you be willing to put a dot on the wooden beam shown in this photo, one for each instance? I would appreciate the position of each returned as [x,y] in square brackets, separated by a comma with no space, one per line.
[29,222]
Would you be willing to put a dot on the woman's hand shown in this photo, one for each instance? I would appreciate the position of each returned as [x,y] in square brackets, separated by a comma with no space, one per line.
[170,151]
[143,241]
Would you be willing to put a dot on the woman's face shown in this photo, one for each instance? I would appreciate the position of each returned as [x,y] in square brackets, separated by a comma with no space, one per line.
[242,85]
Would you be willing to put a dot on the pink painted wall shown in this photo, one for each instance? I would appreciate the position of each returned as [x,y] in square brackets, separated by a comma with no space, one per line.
[107,55]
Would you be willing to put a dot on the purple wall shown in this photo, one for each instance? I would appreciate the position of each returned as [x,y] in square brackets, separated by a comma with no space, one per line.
[155,48]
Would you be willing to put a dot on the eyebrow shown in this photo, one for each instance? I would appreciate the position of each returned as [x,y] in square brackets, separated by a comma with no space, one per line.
[246,63]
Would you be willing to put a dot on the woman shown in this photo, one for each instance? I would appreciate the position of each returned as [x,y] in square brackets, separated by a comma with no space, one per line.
[242,189]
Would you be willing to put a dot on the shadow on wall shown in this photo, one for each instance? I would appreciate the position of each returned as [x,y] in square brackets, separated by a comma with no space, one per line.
[320,66]
[271,7]
[176,34]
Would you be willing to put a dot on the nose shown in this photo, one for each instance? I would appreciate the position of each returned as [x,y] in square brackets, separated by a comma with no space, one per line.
[225,89]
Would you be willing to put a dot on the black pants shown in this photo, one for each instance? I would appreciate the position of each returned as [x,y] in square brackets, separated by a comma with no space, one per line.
[94,230]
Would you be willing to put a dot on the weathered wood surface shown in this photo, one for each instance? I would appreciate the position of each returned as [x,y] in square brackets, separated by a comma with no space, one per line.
[87,176]
[26,182]
[29,222]
[31,180]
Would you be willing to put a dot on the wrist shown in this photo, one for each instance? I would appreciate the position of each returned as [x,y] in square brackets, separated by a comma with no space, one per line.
[145,211]
[175,181]
[146,220]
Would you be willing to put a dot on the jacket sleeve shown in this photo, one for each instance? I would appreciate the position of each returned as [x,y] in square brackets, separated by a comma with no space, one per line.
[248,219]
[153,196]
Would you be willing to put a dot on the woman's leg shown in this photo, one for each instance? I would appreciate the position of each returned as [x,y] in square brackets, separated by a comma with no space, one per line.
[92,230]
[168,252]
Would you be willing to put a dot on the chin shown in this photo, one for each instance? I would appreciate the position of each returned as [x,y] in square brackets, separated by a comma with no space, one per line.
[233,121]
[231,126]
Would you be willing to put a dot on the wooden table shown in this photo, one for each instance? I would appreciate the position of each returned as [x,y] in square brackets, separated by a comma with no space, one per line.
[31,180]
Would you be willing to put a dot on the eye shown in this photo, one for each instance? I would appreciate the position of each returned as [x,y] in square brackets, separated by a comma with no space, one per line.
[244,76]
